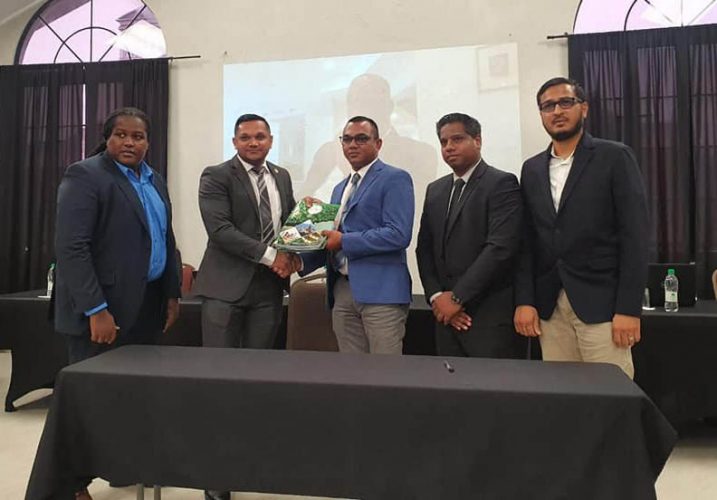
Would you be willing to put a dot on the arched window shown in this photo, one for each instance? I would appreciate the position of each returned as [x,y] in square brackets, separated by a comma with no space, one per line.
[595,16]
[65,31]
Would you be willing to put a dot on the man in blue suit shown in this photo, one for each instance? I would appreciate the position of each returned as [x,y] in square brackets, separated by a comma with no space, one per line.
[369,287]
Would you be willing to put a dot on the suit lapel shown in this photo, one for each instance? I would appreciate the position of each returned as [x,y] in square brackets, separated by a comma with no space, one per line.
[243,177]
[371,176]
[283,190]
[467,190]
[161,188]
[440,210]
[126,187]
[543,174]
[338,191]
[583,153]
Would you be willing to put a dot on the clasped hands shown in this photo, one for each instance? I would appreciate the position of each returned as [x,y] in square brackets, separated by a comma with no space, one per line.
[285,264]
[448,312]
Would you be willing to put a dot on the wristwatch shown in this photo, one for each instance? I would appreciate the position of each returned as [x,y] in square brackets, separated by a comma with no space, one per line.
[456,300]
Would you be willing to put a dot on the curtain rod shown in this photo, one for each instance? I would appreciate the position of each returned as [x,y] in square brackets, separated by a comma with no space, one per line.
[556,37]
[174,58]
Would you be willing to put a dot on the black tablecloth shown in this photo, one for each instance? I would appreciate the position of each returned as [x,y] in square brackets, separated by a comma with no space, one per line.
[358,426]
[38,353]
[676,362]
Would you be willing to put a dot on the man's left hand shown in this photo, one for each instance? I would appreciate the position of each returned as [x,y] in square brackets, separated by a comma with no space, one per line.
[461,321]
[172,313]
[333,240]
[625,330]
[444,308]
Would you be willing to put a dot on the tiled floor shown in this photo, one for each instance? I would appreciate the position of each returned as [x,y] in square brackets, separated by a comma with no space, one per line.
[690,474]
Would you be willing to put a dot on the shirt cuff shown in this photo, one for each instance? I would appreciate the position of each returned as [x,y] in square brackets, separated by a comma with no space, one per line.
[433,297]
[269,256]
[97,309]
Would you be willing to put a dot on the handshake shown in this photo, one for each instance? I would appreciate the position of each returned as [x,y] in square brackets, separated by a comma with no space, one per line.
[285,264]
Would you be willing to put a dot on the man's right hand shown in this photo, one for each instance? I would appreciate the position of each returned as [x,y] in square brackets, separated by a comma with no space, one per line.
[103,329]
[527,321]
[285,264]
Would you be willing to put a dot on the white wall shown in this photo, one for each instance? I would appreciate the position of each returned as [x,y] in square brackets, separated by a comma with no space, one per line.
[234,31]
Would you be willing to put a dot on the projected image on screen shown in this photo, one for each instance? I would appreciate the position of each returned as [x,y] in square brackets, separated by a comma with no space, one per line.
[307,103]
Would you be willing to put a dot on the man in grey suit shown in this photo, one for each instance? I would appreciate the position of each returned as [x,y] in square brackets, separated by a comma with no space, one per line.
[243,202]
[241,279]
[467,244]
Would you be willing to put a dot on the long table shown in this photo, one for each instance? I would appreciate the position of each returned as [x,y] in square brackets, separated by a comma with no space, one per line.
[351,425]
[674,363]
[38,352]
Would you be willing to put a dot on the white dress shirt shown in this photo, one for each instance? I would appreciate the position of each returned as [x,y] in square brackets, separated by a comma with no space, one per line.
[274,200]
[559,171]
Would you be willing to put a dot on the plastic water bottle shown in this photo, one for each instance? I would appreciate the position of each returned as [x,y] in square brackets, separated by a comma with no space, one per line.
[50,279]
[671,287]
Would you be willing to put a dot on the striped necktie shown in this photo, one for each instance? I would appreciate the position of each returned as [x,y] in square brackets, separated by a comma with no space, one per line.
[267,223]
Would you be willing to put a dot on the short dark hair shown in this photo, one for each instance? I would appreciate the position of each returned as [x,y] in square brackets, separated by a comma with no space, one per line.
[561,80]
[470,124]
[359,119]
[110,121]
[250,117]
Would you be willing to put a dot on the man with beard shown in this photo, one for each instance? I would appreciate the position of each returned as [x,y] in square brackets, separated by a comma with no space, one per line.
[584,260]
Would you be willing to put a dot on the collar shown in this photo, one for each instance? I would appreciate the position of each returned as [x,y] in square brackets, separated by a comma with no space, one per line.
[249,167]
[363,170]
[145,173]
[466,177]
[556,157]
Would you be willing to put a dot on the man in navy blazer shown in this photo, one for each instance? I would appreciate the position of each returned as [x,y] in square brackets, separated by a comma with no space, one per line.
[369,286]
[117,274]
[584,261]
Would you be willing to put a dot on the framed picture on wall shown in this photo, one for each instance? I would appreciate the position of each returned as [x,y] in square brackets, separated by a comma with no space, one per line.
[497,66]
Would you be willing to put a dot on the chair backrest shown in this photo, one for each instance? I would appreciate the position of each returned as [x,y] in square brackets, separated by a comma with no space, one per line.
[308,325]
[714,282]
[187,279]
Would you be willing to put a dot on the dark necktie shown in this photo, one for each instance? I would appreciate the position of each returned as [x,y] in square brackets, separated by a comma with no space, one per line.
[457,190]
[267,223]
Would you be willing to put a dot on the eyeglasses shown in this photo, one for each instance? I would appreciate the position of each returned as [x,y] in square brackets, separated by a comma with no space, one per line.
[360,139]
[564,103]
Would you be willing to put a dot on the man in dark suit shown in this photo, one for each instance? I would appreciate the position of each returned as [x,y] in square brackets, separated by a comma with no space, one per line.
[369,286]
[467,244]
[117,277]
[241,279]
[584,261]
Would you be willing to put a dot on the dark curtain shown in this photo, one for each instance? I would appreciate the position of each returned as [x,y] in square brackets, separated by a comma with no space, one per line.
[656,90]
[142,84]
[43,129]
[40,134]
